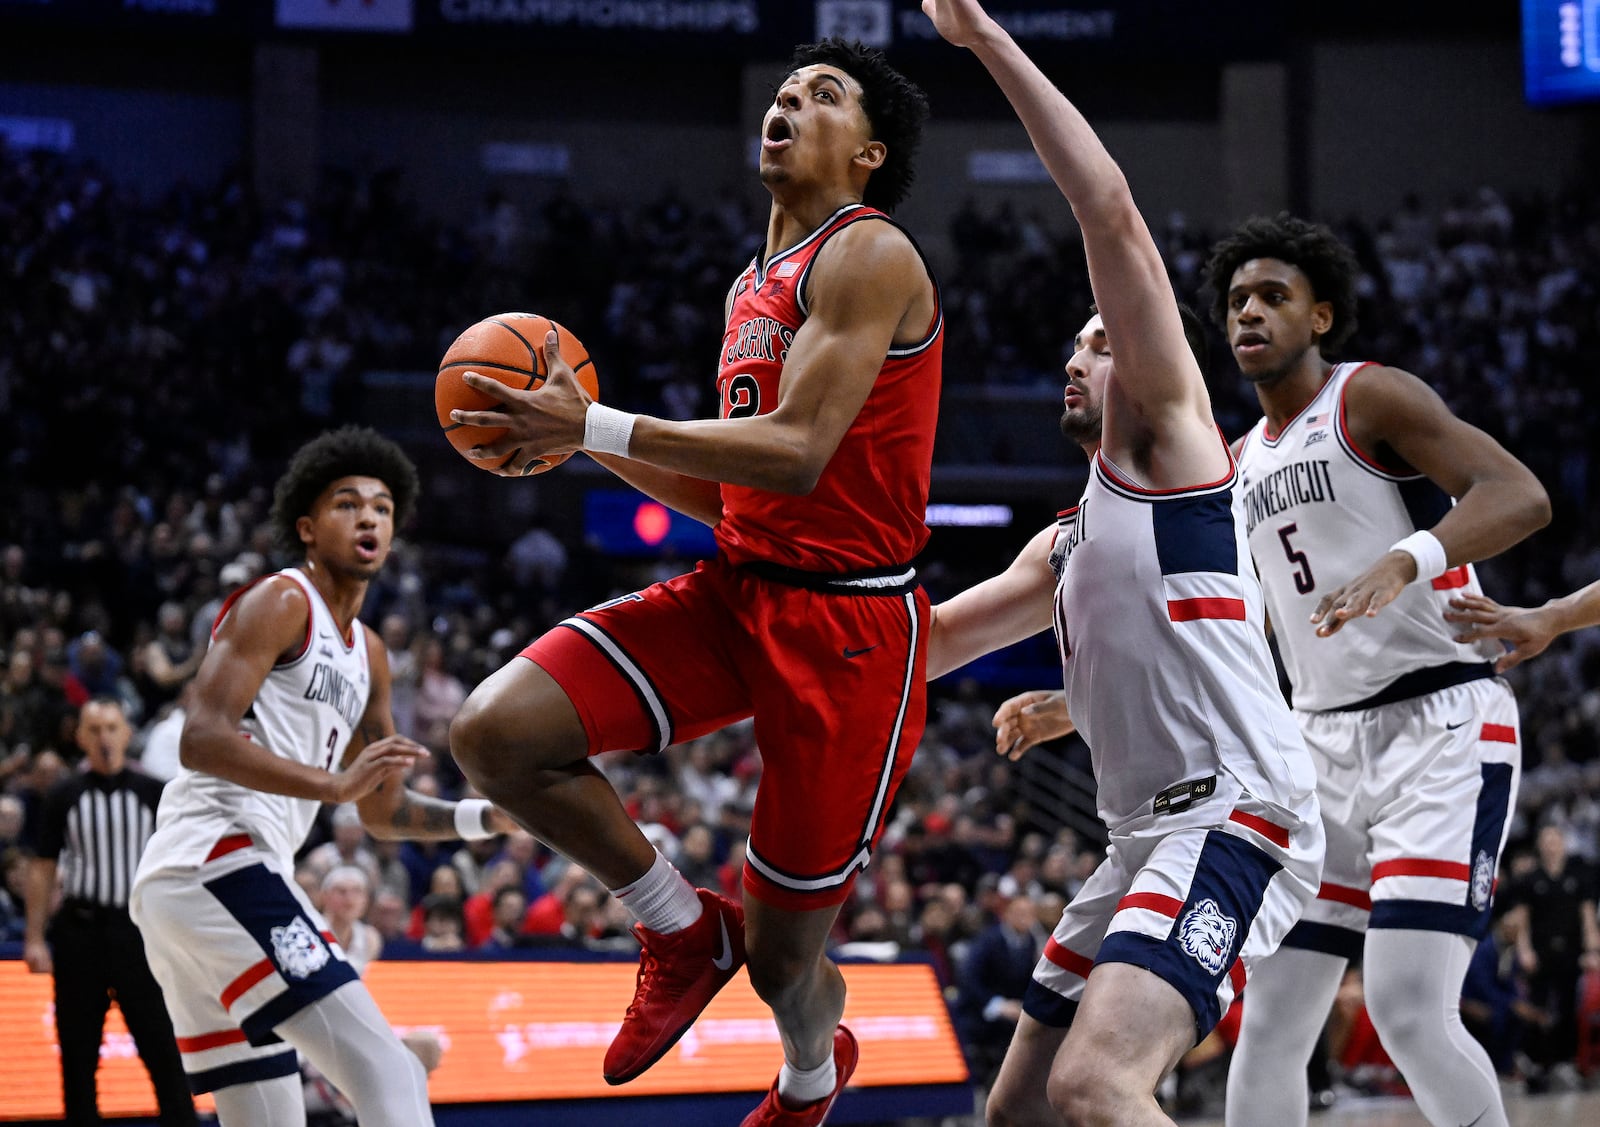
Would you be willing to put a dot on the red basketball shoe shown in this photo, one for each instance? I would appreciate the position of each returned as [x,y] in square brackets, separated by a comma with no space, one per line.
[772,1113]
[679,974]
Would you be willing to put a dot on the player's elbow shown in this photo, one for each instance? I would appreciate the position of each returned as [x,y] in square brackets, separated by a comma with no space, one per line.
[1536,506]
[1110,203]
[194,747]
[792,472]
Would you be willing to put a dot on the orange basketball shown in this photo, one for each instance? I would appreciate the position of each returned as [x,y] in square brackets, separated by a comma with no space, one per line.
[508,347]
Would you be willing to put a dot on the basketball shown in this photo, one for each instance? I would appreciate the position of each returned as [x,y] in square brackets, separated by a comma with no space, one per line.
[508,347]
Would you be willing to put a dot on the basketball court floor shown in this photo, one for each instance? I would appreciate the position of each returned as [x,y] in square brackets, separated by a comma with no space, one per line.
[1565,1109]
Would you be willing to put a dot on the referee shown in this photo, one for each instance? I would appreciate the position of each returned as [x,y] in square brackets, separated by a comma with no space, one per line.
[96,824]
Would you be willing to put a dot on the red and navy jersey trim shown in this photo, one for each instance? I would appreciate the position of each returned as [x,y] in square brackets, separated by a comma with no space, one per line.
[238,593]
[1114,481]
[1347,443]
[845,217]
[1272,440]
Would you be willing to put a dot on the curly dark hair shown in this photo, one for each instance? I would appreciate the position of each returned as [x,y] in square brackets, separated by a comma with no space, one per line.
[1311,247]
[346,452]
[895,107]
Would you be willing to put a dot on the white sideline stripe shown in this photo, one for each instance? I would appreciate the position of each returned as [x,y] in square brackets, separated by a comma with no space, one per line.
[632,672]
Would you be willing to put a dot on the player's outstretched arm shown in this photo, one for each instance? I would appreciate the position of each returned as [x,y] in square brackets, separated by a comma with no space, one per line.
[391,810]
[1499,501]
[1003,609]
[268,621]
[1155,369]
[864,283]
[1529,630]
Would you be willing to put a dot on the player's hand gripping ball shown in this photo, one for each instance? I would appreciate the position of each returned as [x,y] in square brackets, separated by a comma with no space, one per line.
[508,347]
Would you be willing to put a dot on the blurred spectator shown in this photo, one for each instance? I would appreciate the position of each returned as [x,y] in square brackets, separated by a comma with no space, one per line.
[440,695]
[509,907]
[405,672]
[480,909]
[547,914]
[348,847]
[444,884]
[159,757]
[443,928]
[14,864]
[1557,936]
[164,663]
[993,976]
[346,891]
[11,814]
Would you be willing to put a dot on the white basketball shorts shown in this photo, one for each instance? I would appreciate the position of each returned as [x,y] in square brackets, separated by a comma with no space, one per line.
[1416,800]
[1198,906]
[237,948]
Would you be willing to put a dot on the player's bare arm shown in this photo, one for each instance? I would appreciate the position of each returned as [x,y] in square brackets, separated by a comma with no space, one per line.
[1029,719]
[1002,610]
[390,810]
[1393,415]
[1158,414]
[267,623]
[694,497]
[867,285]
[1529,630]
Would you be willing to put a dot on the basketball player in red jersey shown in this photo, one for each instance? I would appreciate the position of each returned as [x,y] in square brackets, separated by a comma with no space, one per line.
[815,478]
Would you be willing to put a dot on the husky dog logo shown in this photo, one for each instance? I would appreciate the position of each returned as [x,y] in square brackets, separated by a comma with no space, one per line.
[1207,935]
[1482,880]
[300,952]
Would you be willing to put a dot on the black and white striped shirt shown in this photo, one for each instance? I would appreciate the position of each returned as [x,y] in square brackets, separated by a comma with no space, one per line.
[96,826]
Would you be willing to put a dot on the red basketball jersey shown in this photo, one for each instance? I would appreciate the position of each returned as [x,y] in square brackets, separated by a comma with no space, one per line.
[869,507]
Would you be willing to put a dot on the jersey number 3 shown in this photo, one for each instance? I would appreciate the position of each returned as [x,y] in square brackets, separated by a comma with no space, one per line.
[1303,581]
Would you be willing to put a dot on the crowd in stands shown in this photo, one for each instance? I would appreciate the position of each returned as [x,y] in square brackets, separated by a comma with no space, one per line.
[159,359]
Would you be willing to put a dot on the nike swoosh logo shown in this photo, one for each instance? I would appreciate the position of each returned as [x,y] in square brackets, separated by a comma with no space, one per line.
[850,653]
[1457,724]
[724,960]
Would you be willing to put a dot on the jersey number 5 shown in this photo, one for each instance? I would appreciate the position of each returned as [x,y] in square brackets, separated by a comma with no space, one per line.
[1303,581]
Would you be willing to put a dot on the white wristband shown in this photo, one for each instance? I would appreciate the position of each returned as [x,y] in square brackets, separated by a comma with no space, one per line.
[1424,547]
[607,430]
[472,816]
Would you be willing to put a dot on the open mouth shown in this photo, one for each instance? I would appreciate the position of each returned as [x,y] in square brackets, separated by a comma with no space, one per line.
[779,134]
[1247,343]
[367,547]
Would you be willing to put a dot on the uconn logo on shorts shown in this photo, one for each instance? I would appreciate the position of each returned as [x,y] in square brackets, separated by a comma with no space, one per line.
[300,951]
[1482,880]
[1207,935]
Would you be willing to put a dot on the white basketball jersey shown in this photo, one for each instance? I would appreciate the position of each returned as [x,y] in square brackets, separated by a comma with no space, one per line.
[1164,654]
[306,710]
[1320,512]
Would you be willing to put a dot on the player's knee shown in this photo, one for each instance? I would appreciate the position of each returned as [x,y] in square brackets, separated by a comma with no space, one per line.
[1400,1013]
[1006,1108]
[483,741]
[1082,1094]
[473,735]
[779,975]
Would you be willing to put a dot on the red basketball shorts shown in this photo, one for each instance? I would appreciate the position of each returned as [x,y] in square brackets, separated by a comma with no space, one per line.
[835,682]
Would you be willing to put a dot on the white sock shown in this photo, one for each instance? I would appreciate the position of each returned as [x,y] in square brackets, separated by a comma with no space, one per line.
[661,900]
[804,1086]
